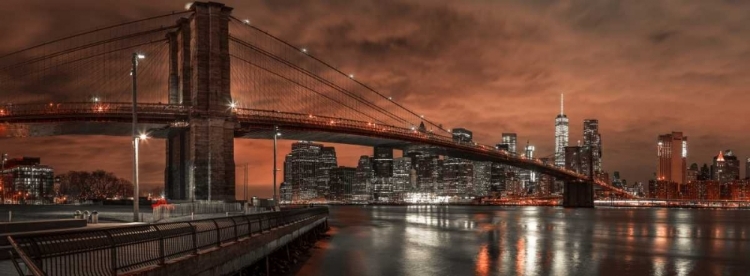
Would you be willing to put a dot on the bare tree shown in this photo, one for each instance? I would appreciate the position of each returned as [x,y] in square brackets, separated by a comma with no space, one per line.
[93,185]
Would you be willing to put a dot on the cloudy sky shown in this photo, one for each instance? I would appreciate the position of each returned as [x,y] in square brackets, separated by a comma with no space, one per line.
[643,68]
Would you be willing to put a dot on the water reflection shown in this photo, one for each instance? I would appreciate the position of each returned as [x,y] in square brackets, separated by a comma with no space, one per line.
[456,240]
[483,262]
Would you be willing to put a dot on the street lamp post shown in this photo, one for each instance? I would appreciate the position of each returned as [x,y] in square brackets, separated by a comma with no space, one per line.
[2,176]
[245,182]
[135,137]
[276,134]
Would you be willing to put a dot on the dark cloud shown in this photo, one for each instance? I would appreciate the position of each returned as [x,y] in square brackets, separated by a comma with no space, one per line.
[643,68]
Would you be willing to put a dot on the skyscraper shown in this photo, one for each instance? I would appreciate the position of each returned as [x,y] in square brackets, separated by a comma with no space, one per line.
[545,184]
[458,175]
[402,174]
[462,135]
[672,153]
[561,136]
[361,188]
[482,175]
[692,173]
[382,165]
[425,165]
[342,179]
[528,177]
[747,168]
[305,161]
[705,173]
[510,140]
[529,151]
[383,162]
[327,162]
[592,146]
[726,167]
[497,178]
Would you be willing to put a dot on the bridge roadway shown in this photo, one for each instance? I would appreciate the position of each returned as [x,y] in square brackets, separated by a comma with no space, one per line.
[31,120]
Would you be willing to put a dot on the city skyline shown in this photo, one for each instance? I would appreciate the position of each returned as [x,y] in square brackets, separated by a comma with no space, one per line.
[629,123]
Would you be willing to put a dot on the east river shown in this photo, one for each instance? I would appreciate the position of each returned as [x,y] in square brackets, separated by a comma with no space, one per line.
[465,240]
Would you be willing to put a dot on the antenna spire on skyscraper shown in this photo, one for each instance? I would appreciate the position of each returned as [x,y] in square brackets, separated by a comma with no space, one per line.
[561,104]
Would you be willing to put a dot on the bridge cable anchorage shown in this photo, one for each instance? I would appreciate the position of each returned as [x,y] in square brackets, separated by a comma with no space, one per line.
[318,78]
[343,74]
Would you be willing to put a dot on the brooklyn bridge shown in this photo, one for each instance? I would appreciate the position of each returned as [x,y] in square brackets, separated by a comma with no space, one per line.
[205,78]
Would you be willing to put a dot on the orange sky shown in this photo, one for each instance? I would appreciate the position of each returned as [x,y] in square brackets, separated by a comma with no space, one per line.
[643,68]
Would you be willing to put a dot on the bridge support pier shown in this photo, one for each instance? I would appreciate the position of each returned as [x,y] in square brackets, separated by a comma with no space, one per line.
[200,157]
[577,194]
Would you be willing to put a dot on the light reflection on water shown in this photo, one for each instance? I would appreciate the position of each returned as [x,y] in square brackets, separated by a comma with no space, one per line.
[462,240]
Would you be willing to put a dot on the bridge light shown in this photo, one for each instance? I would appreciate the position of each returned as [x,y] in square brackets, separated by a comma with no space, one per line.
[233,105]
[246,21]
[351,76]
[141,56]
[188,5]
[421,116]
[96,99]
[390,98]
[304,50]
[143,136]
[278,134]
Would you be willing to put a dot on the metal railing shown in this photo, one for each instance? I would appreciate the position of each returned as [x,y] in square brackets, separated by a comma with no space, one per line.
[124,249]
[88,107]
[195,208]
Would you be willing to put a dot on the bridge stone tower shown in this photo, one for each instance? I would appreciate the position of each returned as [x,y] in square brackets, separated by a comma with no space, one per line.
[580,194]
[200,156]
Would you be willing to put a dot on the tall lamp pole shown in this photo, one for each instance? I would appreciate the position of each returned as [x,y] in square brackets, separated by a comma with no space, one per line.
[245,182]
[276,134]
[2,176]
[135,137]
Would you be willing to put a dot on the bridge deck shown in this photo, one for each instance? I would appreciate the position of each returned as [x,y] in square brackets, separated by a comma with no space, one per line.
[113,118]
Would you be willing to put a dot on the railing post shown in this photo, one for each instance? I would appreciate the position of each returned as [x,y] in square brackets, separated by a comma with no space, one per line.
[218,233]
[195,238]
[249,226]
[236,234]
[113,253]
[162,260]
[38,252]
